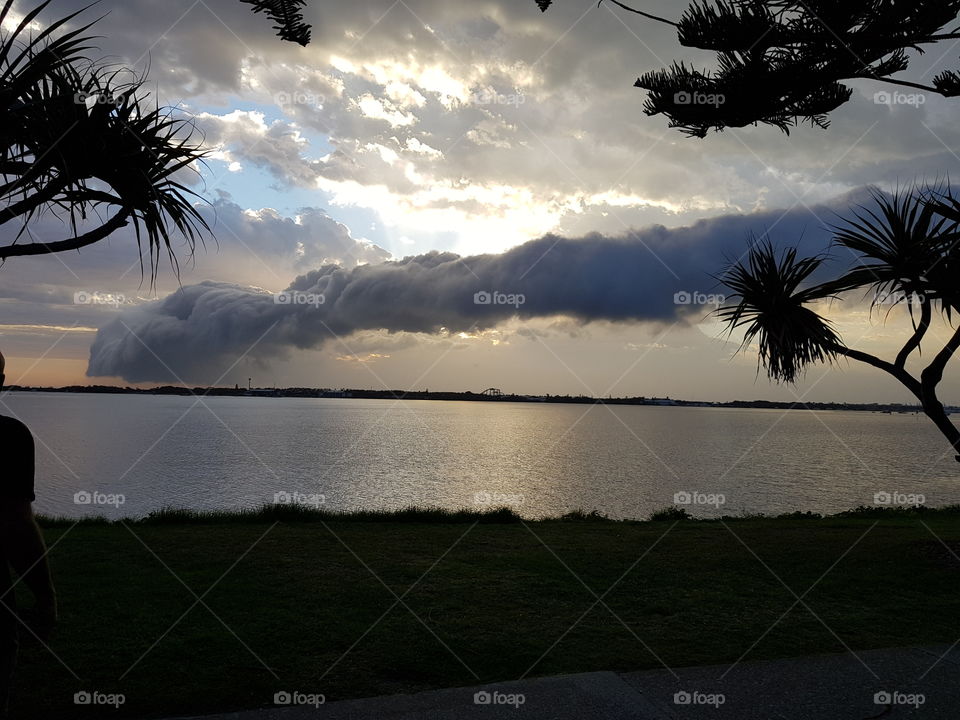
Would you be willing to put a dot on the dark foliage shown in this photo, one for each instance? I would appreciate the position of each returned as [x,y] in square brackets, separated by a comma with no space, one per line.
[907,252]
[287,17]
[80,141]
[781,62]
[771,306]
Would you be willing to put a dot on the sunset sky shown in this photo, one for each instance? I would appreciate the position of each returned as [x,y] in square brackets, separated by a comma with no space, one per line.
[506,151]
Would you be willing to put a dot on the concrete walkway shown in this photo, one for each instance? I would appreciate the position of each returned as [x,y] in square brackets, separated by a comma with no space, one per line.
[920,682]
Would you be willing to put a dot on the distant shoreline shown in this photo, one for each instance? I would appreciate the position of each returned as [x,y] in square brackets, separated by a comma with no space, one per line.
[490,395]
[493,515]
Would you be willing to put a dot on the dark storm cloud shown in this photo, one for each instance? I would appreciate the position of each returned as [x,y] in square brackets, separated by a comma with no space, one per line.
[196,333]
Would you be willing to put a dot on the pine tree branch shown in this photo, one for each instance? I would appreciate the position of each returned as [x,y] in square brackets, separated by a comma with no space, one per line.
[907,83]
[287,16]
[640,12]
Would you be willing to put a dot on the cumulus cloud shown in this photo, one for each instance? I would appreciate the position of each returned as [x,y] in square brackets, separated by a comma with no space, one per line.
[196,333]
[530,128]
[252,246]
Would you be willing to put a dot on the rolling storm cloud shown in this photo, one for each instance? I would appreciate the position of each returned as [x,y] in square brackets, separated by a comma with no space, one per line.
[195,333]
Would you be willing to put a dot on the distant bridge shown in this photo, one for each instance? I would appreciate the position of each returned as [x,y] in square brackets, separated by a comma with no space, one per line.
[492,392]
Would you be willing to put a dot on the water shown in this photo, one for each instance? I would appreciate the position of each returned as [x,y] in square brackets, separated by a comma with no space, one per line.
[159,451]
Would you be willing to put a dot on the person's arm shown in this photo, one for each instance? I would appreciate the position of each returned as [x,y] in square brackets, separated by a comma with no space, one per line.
[27,554]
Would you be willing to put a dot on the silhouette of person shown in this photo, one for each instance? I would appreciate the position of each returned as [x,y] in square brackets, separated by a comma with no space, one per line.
[21,545]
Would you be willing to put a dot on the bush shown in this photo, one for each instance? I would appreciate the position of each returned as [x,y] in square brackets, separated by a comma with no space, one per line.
[670,514]
[579,515]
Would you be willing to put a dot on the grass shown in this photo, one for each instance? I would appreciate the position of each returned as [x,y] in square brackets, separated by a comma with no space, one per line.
[484,597]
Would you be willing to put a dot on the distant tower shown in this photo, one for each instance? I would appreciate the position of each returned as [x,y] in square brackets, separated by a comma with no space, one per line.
[249,383]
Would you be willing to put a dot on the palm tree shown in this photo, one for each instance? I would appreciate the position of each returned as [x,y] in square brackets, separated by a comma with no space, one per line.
[80,141]
[907,249]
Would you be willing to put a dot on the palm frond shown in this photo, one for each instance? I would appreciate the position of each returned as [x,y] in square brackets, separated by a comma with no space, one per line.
[902,244]
[79,138]
[770,305]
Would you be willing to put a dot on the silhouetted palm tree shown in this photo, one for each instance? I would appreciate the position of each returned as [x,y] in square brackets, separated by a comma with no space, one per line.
[908,252]
[79,140]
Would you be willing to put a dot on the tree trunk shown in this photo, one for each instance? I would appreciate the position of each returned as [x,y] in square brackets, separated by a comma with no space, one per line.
[934,410]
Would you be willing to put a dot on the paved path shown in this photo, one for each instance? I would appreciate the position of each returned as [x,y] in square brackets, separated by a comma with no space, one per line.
[920,682]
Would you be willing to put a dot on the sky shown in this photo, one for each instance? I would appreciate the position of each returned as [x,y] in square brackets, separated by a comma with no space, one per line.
[456,196]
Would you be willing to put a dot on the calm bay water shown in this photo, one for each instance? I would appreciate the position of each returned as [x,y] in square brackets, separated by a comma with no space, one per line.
[542,459]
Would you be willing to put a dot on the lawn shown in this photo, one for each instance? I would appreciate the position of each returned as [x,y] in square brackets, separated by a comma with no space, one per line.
[362,606]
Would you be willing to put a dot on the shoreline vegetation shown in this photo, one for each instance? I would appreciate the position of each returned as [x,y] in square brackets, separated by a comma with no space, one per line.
[311,600]
[488,395]
[300,513]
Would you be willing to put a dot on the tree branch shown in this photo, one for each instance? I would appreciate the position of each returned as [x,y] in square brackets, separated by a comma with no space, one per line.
[929,379]
[905,378]
[906,83]
[14,167]
[112,225]
[47,193]
[640,12]
[925,391]
[914,342]
[933,374]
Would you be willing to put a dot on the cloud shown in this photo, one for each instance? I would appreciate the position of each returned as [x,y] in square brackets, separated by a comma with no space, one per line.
[533,119]
[259,248]
[252,246]
[197,333]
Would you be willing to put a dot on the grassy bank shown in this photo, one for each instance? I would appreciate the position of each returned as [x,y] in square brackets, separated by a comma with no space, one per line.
[493,598]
